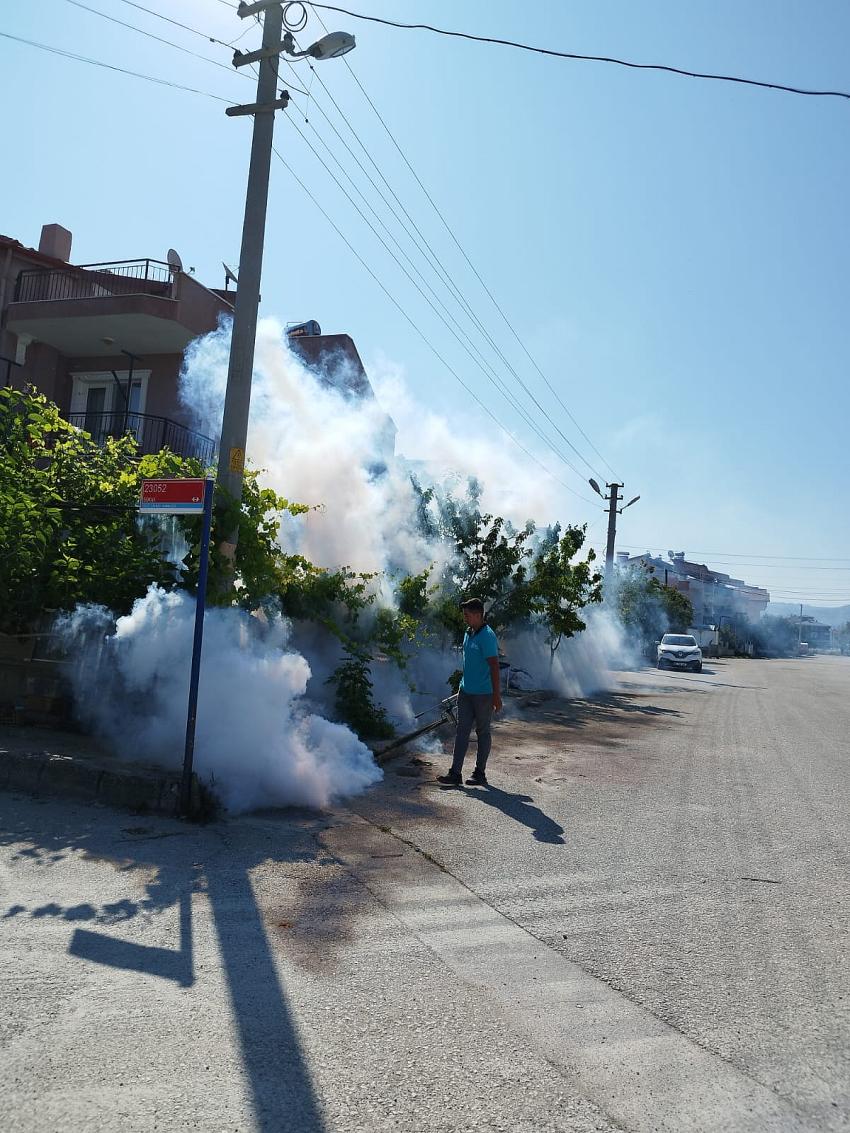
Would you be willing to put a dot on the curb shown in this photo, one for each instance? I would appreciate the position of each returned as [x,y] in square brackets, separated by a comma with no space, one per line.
[148,791]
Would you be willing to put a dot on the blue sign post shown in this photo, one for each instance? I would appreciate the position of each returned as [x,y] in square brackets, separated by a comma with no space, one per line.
[203,566]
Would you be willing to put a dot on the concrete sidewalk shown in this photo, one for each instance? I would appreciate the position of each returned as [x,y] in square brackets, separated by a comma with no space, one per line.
[158,975]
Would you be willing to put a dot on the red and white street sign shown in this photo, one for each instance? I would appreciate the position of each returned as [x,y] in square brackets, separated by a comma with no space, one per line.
[172,497]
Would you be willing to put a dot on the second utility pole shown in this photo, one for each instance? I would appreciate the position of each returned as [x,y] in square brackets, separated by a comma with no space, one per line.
[613,499]
[237,400]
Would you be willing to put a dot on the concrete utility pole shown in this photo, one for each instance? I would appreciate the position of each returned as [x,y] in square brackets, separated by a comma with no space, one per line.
[612,499]
[237,401]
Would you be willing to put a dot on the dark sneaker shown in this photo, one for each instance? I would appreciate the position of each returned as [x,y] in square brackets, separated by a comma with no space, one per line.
[451,779]
[477,779]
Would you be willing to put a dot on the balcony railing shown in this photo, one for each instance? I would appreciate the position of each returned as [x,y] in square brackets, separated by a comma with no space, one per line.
[96,281]
[151,433]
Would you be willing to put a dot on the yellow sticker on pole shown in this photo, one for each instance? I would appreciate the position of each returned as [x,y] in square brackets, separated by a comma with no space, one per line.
[237,460]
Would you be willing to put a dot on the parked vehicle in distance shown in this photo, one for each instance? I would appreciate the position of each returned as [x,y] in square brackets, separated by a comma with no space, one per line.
[680,651]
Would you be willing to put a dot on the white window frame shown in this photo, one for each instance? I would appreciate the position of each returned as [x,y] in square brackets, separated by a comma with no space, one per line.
[82,381]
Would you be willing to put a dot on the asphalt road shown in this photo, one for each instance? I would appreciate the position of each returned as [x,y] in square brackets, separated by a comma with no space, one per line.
[685,841]
[641,925]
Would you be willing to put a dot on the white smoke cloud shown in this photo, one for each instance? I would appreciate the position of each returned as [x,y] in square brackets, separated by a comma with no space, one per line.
[261,732]
[583,665]
[318,445]
[512,485]
[256,740]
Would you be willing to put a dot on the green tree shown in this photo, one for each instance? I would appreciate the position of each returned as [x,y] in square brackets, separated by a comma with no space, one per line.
[487,558]
[558,588]
[648,610]
[775,637]
[677,607]
[68,515]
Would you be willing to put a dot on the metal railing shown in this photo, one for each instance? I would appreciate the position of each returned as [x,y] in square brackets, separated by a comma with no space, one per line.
[152,433]
[6,365]
[96,281]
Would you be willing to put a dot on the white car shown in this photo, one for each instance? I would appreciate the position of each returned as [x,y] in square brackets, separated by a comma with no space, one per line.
[679,650]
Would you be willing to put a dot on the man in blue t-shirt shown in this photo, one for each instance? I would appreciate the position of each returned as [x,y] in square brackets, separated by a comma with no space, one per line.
[479,695]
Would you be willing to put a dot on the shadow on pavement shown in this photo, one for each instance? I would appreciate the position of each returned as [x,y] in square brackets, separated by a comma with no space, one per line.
[519,808]
[282,1091]
[606,708]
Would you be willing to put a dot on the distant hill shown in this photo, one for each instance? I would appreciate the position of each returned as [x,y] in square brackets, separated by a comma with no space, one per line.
[830,615]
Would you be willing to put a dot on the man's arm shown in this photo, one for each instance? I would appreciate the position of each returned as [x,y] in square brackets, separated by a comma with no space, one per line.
[496,678]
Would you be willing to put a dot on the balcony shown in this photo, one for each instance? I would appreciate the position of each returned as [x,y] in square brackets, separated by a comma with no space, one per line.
[152,433]
[96,281]
[145,305]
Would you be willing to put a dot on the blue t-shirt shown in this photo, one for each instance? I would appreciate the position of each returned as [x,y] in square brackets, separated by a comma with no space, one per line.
[477,647]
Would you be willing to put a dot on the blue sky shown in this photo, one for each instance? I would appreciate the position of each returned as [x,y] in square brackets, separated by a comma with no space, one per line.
[673,252]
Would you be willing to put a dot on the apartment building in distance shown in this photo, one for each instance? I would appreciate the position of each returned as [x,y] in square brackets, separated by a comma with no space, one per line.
[716,597]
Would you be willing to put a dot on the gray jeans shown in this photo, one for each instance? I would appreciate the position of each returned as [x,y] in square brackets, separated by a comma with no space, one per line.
[473,708]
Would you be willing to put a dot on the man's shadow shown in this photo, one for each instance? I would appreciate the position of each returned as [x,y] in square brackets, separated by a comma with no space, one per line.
[544,828]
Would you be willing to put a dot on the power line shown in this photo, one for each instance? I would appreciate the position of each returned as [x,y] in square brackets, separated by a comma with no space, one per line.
[213,39]
[177,23]
[421,333]
[454,327]
[435,263]
[476,359]
[159,39]
[192,90]
[752,554]
[588,58]
[111,67]
[770,566]
[463,252]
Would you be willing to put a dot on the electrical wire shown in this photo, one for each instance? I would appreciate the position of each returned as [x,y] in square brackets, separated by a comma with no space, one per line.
[421,333]
[588,58]
[98,63]
[177,24]
[458,331]
[186,27]
[158,39]
[489,374]
[463,253]
[760,566]
[298,25]
[111,67]
[754,554]
[434,262]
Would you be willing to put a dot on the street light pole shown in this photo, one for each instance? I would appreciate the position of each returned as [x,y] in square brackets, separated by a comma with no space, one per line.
[237,400]
[612,499]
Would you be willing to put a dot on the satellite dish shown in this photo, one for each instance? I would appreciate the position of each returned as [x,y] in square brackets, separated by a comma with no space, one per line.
[174,261]
[230,275]
[670,555]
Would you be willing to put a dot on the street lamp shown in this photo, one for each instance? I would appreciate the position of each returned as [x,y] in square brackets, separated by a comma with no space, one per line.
[328,47]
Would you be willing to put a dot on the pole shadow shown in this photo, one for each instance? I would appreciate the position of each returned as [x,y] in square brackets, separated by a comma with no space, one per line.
[274,1063]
